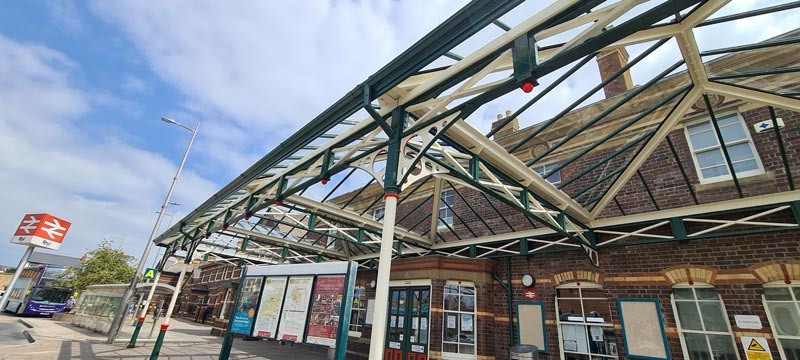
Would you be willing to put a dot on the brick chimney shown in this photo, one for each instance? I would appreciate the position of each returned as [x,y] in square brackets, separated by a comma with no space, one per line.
[609,62]
[510,128]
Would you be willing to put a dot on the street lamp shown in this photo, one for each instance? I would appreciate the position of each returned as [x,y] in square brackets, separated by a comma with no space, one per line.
[126,297]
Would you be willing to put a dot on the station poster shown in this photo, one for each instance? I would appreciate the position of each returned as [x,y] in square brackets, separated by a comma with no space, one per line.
[269,310]
[325,309]
[245,310]
[295,308]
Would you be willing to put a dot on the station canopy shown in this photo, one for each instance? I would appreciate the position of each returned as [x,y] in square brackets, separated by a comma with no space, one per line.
[564,167]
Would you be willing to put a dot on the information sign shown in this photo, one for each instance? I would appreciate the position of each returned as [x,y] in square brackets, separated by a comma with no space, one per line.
[245,310]
[325,309]
[756,348]
[269,310]
[295,308]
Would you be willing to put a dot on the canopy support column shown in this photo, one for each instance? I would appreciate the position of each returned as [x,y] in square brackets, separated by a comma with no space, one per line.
[391,195]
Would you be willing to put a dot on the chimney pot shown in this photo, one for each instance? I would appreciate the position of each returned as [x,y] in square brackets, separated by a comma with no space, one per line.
[609,62]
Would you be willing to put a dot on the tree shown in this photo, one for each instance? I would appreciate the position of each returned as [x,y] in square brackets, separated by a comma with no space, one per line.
[104,265]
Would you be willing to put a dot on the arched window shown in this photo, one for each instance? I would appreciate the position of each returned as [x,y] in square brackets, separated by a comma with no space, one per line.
[782,302]
[585,328]
[702,323]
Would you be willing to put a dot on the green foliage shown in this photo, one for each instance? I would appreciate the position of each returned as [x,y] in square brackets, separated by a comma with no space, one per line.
[104,265]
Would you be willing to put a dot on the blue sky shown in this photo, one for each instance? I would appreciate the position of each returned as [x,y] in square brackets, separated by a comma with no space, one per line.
[83,85]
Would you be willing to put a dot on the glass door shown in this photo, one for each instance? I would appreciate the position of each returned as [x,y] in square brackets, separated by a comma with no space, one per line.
[408,323]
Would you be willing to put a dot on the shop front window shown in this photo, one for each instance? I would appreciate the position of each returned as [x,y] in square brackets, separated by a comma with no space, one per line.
[702,323]
[783,309]
[459,319]
[585,328]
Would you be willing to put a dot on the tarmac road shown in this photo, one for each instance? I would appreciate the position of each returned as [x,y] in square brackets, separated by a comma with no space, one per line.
[11,333]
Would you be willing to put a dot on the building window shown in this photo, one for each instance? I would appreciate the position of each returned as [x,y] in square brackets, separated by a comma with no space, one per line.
[446,208]
[459,318]
[707,153]
[584,322]
[358,315]
[702,323]
[555,178]
[783,309]
[378,213]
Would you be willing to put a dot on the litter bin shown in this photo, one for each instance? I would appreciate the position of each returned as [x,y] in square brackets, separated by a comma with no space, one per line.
[524,352]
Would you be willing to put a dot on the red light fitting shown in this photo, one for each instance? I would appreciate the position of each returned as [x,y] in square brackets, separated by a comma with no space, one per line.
[247,217]
[225,227]
[324,181]
[206,235]
[278,202]
[527,86]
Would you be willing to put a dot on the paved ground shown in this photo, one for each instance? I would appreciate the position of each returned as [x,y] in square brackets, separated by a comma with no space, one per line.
[185,340]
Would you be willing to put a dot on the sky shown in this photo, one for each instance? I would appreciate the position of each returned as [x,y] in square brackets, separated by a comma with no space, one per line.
[83,85]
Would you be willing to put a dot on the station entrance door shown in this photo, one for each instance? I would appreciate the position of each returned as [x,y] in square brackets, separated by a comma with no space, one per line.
[408,328]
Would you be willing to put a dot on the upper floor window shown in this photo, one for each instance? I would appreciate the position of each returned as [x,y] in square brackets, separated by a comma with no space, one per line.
[555,178]
[783,308]
[707,153]
[378,213]
[446,208]
[702,323]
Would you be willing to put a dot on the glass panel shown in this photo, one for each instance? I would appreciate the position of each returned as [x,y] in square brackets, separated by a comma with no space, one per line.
[727,121]
[466,349]
[426,300]
[597,311]
[703,140]
[697,346]
[681,294]
[453,348]
[706,294]
[687,313]
[743,166]
[713,318]
[450,327]
[786,318]
[733,131]
[740,152]
[791,348]
[468,303]
[570,310]
[450,289]
[780,293]
[699,127]
[796,293]
[451,302]
[402,305]
[467,325]
[715,171]
[395,302]
[593,293]
[710,158]
[467,291]
[722,347]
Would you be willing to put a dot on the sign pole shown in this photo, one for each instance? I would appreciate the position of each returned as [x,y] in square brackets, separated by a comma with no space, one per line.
[17,273]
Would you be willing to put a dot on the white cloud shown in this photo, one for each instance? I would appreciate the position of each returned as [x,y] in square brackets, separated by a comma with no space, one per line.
[52,164]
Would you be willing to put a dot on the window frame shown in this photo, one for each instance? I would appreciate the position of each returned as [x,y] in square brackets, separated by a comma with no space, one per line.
[545,167]
[748,139]
[356,330]
[585,324]
[376,212]
[680,329]
[773,327]
[460,284]
[443,206]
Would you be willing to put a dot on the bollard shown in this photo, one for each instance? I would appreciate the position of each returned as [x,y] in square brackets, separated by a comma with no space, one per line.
[159,341]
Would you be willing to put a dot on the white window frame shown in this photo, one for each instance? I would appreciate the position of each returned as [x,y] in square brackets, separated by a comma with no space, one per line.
[441,221]
[586,324]
[544,168]
[474,313]
[796,301]
[361,312]
[748,138]
[697,303]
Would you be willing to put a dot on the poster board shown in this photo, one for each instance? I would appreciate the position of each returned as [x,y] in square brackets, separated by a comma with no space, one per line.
[530,324]
[326,306]
[643,328]
[245,311]
[295,308]
[370,311]
[269,310]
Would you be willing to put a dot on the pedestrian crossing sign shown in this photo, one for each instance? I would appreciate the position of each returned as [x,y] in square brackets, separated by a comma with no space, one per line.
[150,273]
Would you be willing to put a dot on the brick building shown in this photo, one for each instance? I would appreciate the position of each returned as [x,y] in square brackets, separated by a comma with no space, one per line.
[650,217]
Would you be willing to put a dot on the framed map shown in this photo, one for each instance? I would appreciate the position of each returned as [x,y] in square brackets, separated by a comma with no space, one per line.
[269,311]
[295,308]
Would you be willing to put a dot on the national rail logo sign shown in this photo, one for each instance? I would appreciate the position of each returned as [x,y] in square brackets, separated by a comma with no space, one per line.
[41,230]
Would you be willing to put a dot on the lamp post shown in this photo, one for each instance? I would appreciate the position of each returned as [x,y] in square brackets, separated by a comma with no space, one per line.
[126,297]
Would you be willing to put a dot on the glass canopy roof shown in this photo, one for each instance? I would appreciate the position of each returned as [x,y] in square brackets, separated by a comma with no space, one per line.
[318,195]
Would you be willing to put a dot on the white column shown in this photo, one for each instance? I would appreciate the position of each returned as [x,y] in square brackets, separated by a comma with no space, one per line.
[175,294]
[382,284]
[149,298]
[17,273]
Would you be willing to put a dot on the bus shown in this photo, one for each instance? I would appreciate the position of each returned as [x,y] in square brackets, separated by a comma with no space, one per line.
[35,292]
